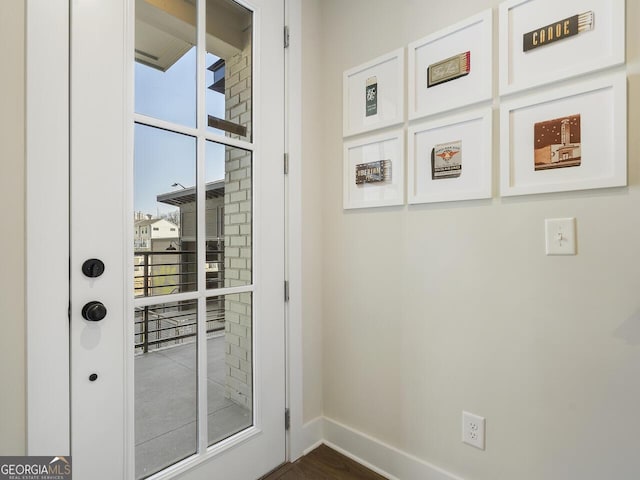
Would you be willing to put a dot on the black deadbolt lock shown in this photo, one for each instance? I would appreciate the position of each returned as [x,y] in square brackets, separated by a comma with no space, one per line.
[93,268]
[94,311]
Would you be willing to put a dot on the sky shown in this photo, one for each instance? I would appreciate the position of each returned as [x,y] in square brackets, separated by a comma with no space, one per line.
[163,158]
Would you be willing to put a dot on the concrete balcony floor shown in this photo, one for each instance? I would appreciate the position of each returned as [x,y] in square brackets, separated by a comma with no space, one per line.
[165,405]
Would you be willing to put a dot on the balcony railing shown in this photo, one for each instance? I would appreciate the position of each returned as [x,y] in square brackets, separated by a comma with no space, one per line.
[158,273]
[141,243]
[175,271]
[170,324]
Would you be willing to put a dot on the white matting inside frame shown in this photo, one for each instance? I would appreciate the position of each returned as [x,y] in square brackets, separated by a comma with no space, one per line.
[464,141]
[373,94]
[374,192]
[473,35]
[594,114]
[559,52]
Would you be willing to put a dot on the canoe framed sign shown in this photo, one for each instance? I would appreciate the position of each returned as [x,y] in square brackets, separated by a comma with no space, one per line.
[546,41]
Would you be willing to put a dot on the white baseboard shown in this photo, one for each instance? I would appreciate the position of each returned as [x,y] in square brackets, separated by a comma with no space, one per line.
[314,446]
[384,459]
[310,437]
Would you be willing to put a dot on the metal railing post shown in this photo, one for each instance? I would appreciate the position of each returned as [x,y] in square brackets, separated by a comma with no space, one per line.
[145,347]
[146,274]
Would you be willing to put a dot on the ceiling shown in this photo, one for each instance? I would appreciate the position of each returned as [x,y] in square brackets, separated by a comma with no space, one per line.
[165,30]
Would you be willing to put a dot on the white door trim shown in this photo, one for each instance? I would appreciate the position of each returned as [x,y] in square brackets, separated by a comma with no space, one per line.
[47,228]
[293,121]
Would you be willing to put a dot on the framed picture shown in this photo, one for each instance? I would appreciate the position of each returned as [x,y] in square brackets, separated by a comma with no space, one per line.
[543,41]
[374,171]
[451,68]
[373,94]
[569,138]
[450,159]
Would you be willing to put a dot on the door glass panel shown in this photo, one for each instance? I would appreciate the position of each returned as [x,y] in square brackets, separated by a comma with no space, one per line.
[165,52]
[165,385]
[229,65]
[165,215]
[229,365]
[228,216]
[167,233]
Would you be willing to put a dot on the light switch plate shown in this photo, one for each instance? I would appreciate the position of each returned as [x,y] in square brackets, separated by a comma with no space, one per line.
[560,235]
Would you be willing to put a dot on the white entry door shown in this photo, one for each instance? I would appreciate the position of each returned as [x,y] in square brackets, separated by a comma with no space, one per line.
[177,239]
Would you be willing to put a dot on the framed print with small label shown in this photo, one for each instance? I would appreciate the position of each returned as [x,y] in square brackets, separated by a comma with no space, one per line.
[569,138]
[451,68]
[450,159]
[373,94]
[544,41]
[374,171]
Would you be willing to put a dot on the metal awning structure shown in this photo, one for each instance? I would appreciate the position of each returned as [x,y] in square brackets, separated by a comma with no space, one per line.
[188,195]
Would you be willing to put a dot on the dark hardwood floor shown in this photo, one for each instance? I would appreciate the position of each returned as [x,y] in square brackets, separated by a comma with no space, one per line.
[323,463]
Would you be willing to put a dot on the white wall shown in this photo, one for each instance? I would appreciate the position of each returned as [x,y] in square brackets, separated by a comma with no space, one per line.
[12,192]
[432,309]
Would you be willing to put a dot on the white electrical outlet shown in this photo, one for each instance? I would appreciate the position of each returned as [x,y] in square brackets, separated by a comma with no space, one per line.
[473,430]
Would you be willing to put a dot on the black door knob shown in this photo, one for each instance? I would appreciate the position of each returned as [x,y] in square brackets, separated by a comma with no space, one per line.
[94,311]
[93,268]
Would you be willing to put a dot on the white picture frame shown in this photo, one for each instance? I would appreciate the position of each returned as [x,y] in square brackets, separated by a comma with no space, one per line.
[601,47]
[388,72]
[601,104]
[472,35]
[473,129]
[383,146]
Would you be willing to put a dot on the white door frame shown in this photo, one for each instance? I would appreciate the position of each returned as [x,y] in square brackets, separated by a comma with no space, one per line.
[297,443]
[47,228]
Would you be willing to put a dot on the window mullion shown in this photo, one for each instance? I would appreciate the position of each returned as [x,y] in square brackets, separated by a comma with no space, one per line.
[201,227]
